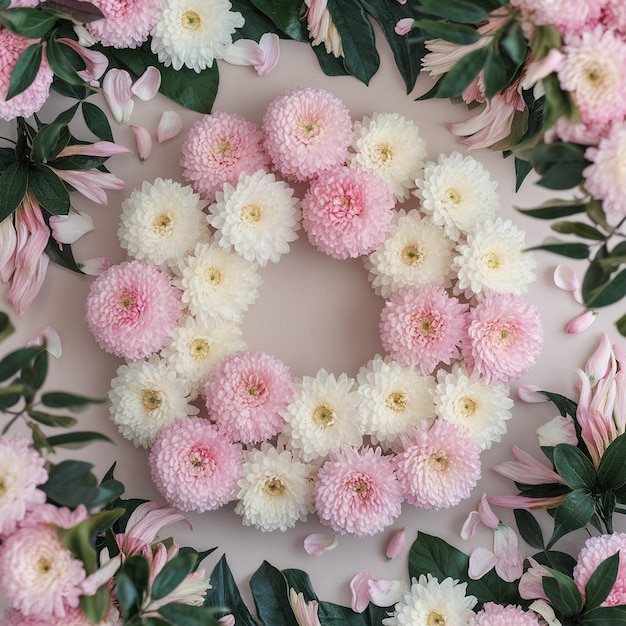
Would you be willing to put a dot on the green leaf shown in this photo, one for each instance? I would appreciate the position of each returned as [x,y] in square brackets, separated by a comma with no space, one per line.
[529,528]
[611,474]
[256,22]
[13,182]
[557,560]
[578,228]
[496,78]
[455,10]
[574,467]
[97,121]
[455,82]
[563,593]
[286,15]
[558,103]
[28,22]
[77,440]
[48,189]
[60,64]
[605,616]
[185,615]
[39,370]
[76,92]
[172,574]
[514,43]
[7,157]
[25,70]
[456,33]
[610,292]
[96,607]
[563,175]
[132,584]
[63,400]
[601,582]
[4,4]
[553,209]
[16,360]
[596,275]
[6,328]
[570,250]
[63,256]
[269,590]
[83,12]
[621,325]
[71,483]
[54,421]
[574,512]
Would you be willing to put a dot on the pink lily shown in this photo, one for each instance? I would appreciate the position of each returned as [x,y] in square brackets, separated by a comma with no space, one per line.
[530,585]
[524,502]
[8,243]
[304,612]
[599,363]
[101,576]
[581,322]
[322,28]
[97,149]
[169,126]
[71,227]
[147,85]
[116,87]
[91,183]
[26,284]
[316,544]
[527,470]
[32,233]
[396,544]
[143,141]
[95,62]
[558,430]
[484,515]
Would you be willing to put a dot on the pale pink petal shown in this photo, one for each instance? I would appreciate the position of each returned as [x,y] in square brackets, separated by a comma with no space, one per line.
[468,530]
[487,516]
[147,85]
[71,227]
[116,87]
[8,242]
[396,544]
[538,70]
[103,575]
[95,62]
[530,584]
[404,26]
[94,267]
[243,52]
[305,612]
[143,141]
[85,38]
[525,502]
[91,183]
[270,44]
[316,544]
[599,363]
[169,126]
[581,322]
[49,337]
[98,149]
[619,409]
[528,394]
[558,430]
[541,607]
[32,233]
[359,586]
[386,592]
[227,620]
[509,563]
[26,284]
[565,278]
[481,560]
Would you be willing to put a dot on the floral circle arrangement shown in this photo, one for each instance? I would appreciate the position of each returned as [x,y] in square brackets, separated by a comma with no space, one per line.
[223,423]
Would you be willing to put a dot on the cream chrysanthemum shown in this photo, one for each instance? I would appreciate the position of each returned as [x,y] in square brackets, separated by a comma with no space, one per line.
[197,347]
[431,603]
[415,252]
[458,192]
[323,416]
[466,400]
[147,396]
[392,399]
[276,490]
[194,32]
[161,222]
[493,258]
[217,283]
[389,145]
[258,218]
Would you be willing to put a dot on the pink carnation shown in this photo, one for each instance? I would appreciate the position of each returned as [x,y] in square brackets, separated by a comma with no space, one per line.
[439,466]
[596,550]
[356,492]
[493,614]
[194,466]
[506,337]
[21,471]
[32,98]
[347,212]
[307,131]
[217,149]
[421,327]
[132,309]
[245,394]
[127,23]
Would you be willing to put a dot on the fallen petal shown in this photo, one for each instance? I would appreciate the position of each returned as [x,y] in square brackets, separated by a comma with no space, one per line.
[558,430]
[71,227]
[386,592]
[116,87]
[396,544]
[581,323]
[169,126]
[143,141]
[359,586]
[481,561]
[49,337]
[147,85]
[316,544]
[529,394]
[565,278]
[94,267]
[244,52]
[270,45]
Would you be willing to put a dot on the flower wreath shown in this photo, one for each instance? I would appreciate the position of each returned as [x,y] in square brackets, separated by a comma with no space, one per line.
[454,324]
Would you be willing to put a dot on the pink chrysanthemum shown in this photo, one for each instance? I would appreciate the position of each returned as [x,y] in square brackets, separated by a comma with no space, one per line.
[73,617]
[31,99]
[439,466]
[217,149]
[596,550]
[38,575]
[567,15]
[615,15]
[21,470]
[357,493]
[132,309]
[194,466]
[245,394]
[421,327]
[347,212]
[307,131]
[493,614]
[59,516]
[127,23]
[505,338]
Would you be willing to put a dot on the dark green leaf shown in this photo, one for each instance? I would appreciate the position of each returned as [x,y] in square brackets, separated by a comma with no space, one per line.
[6,328]
[529,528]
[62,400]
[25,70]
[185,615]
[330,65]
[97,121]
[578,228]
[269,590]
[198,556]
[77,440]
[256,23]
[610,292]
[621,325]
[496,78]
[574,512]
[300,582]
[54,421]
[571,250]
[596,213]
[96,607]
[611,474]
[13,182]
[60,64]
[596,275]
[455,10]
[605,616]
[78,162]
[39,439]
[48,189]
[456,33]
[39,370]
[132,584]
[555,559]
[562,593]
[7,157]
[4,4]
[548,490]
[455,82]
[16,360]
[80,10]
[28,22]
[601,582]
[62,256]
[558,103]
[108,491]
[563,175]
[515,44]
[76,92]
[172,574]
[553,209]
[286,14]
[574,467]
[71,483]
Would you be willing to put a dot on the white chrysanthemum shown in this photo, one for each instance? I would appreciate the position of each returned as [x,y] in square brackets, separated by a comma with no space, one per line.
[161,222]
[217,283]
[458,192]
[323,416]
[197,347]
[276,490]
[389,145]
[147,396]
[258,218]
[392,399]
[432,602]
[466,400]
[493,258]
[415,252]
[194,32]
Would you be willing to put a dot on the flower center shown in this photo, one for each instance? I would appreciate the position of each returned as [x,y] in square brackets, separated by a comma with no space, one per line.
[199,349]
[492,261]
[222,147]
[594,74]
[3,487]
[127,300]
[190,21]
[396,401]
[360,484]
[214,276]
[255,390]
[384,152]
[251,213]
[274,487]
[438,461]
[468,406]
[163,225]
[323,416]
[412,255]
[44,565]
[435,619]
[310,130]
[200,461]
[151,399]
[452,195]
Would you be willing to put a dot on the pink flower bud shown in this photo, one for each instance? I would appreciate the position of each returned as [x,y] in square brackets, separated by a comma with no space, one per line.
[316,544]
[147,85]
[404,26]
[396,544]
[169,126]
[581,323]
[143,141]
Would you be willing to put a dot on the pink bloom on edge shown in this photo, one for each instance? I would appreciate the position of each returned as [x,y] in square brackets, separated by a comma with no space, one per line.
[510,614]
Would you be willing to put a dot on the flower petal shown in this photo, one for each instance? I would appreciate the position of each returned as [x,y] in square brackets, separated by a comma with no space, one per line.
[71,227]
[169,126]
[117,93]
[49,337]
[147,85]
[403,26]
[581,322]
[386,592]
[316,544]
[558,430]
[143,141]
[565,278]
[396,544]
[480,562]
[270,44]
[94,267]
[359,586]
[528,394]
